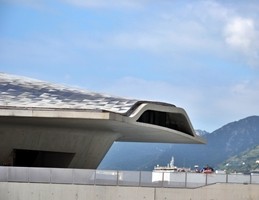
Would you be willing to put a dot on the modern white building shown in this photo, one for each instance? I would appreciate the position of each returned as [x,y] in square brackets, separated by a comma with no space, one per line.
[50,125]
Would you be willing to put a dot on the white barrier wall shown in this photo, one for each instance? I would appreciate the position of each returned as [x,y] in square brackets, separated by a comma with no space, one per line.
[120,178]
[22,183]
[46,191]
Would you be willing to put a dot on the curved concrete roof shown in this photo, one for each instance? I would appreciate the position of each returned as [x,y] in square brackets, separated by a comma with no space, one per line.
[26,97]
[45,124]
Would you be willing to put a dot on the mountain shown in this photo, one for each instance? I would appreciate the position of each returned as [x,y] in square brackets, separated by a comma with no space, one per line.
[225,142]
[233,139]
[229,140]
[136,156]
[243,162]
[201,132]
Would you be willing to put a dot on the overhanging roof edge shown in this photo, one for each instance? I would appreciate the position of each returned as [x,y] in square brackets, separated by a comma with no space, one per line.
[53,113]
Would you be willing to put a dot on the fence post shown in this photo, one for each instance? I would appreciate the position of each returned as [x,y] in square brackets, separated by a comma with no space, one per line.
[139,179]
[7,174]
[185,184]
[73,172]
[50,174]
[163,179]
[226,178]
[117,183]
[95,177]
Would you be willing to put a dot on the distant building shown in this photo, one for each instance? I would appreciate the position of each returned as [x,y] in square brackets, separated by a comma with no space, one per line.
[164,173]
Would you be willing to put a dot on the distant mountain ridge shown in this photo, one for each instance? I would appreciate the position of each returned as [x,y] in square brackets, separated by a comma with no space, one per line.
[201,132]
[240,135]
[223,143]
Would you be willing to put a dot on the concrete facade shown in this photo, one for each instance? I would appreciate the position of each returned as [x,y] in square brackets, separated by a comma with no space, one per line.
[33,191]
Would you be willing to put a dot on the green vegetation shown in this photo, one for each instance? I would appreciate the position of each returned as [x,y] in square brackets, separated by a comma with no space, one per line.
[244,162]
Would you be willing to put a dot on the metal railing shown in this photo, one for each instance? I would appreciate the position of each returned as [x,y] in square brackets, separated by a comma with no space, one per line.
[120,178]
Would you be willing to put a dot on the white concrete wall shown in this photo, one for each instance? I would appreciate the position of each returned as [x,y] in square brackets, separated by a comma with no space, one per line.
[35,191]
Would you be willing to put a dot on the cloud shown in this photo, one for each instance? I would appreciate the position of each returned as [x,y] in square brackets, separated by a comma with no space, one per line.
[195,27]
[240,33]
[242,36]
[167,31]
[240,99]
[203,27]
[166,36]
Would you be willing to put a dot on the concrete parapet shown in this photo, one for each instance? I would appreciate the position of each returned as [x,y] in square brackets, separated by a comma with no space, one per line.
[39,191]
[212,192]
[33,191]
